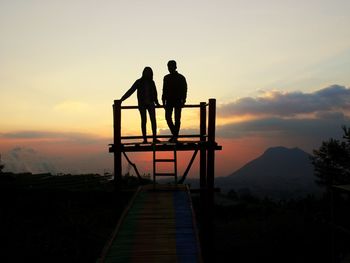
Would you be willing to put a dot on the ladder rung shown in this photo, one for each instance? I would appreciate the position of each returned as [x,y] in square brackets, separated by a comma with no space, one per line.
[164,160]
[164,174]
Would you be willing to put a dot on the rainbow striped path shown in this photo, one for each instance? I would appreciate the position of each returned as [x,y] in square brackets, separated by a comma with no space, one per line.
[158,226]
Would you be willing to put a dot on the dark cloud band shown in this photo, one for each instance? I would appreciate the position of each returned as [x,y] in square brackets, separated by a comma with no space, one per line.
[62,136]
[333,98]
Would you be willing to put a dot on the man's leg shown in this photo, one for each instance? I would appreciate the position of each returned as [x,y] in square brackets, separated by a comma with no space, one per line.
[168,117]
[143,122]
[178,109]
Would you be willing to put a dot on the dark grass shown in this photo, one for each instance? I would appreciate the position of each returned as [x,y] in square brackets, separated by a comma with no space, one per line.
[58,225]
[253,230]
[71,222]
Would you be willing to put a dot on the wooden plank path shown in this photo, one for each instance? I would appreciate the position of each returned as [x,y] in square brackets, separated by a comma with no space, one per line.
[157,226]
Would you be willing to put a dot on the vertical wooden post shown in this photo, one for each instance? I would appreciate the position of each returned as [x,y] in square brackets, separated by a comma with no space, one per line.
[154,166]
[211,144]
[203,155]
[117,142]
[206,245]
[203,180]
[209,213]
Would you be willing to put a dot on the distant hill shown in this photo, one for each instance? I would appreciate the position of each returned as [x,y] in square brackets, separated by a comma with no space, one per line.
[278,173]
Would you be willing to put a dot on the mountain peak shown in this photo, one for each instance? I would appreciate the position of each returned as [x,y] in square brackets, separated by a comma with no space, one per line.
[282,149]
[277,161]
[282,156]
[278,172]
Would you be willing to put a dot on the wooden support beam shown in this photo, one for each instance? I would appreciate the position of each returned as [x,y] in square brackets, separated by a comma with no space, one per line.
[188,167]
[133,165]
[212,143]
[209,196]
[117,142]
[203,152]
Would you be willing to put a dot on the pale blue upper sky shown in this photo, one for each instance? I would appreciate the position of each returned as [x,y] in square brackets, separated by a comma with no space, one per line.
[63,62]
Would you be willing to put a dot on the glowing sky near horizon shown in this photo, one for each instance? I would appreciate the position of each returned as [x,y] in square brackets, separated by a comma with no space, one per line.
[62,63]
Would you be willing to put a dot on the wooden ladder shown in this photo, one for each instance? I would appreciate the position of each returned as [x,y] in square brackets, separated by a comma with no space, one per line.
[172,160]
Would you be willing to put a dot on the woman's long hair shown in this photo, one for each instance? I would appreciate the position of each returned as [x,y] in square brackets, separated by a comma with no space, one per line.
[147,73]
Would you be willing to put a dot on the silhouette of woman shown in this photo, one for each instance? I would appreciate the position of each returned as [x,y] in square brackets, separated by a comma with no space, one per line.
[147,99]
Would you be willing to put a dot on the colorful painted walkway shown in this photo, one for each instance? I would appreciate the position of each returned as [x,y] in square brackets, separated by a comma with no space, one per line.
[158,226]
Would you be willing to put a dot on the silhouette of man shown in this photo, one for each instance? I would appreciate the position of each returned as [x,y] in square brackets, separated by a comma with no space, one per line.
[147,98]
[174,98]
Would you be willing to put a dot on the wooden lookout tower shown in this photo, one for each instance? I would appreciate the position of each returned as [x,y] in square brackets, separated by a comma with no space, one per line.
[203,142]
[159,223]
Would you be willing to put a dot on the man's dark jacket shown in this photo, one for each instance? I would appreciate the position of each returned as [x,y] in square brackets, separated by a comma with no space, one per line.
[174,88]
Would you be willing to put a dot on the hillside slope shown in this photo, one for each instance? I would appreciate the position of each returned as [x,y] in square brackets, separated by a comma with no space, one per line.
[279,173]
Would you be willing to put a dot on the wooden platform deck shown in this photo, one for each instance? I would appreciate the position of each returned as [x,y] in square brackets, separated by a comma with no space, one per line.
[158,226]
[181,145]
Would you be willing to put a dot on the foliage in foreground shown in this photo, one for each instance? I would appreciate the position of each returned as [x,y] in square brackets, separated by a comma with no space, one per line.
[332,161]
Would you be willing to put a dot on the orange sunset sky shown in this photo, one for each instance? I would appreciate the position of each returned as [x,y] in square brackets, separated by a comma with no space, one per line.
[280,71]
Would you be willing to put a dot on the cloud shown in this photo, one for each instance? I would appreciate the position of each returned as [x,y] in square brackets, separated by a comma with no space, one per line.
[23,159]
[54,136]
[294,118]
[324,127]
[290,104]
[55,152]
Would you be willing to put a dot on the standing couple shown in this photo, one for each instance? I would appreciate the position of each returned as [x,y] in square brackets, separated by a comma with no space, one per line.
[173,98]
